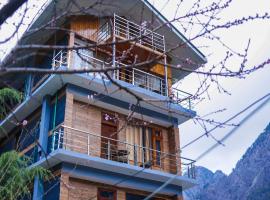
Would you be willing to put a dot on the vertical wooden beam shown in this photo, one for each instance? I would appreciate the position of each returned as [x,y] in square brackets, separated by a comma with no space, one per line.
[166,76]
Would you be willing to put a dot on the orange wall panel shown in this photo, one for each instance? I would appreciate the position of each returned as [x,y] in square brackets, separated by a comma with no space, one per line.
[85,26]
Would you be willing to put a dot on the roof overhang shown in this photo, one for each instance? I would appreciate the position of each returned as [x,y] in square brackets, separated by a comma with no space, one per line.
[85,86]
[135,10]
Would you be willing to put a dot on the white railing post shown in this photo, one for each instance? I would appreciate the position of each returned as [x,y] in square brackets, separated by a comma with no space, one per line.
[127,34]
[143,157]
[133,77]
[140,36]
[153,41]
[109,150]
[135,155]
[113,41]
[53,141]
[59,138]
[61,58]
[88,144]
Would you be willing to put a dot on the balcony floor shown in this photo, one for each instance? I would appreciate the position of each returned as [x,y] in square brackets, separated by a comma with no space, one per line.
[110,172]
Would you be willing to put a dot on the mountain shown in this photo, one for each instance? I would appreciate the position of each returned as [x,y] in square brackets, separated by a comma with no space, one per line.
[250,180]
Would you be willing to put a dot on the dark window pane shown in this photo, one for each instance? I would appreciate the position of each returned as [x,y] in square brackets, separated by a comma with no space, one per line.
[106,195]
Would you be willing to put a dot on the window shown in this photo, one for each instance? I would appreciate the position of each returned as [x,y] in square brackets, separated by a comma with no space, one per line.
[156,146]
[106,194]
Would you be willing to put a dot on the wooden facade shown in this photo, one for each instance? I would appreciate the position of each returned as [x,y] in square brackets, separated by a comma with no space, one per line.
[84,26]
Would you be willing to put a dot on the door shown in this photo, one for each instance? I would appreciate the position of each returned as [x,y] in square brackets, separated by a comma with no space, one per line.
[108,140]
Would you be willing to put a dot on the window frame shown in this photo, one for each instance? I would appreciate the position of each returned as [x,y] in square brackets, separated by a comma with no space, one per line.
[154,139]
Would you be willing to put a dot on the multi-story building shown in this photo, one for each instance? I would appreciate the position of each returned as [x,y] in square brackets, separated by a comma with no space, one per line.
[88,128]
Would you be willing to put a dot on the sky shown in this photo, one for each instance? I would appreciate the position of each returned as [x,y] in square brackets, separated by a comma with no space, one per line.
[243,91]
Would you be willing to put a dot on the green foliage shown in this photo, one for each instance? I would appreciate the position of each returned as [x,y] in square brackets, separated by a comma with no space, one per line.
[16,177]
[8,99]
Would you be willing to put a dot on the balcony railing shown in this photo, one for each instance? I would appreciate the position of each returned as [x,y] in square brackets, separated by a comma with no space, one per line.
[181,97]
[142,79]
[136,77]
[125,29]
[119,151]
[60,59]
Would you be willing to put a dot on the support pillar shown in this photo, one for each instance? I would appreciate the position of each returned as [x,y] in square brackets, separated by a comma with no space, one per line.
[44,126]
[113,46]
[43,141]
[38,189]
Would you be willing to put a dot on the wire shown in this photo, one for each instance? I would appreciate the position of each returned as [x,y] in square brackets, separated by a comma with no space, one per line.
[231,118]
[224,138]
[234,129]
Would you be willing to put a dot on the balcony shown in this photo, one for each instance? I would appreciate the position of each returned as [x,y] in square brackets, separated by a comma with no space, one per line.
[136,77]
[123,29]
[80,141]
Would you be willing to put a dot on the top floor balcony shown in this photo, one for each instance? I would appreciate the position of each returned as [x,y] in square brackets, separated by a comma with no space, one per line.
[119,28]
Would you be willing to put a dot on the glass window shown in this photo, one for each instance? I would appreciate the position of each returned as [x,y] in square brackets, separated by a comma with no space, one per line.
[104,194]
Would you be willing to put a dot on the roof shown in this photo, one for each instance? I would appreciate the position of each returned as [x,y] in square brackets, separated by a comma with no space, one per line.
[129,9]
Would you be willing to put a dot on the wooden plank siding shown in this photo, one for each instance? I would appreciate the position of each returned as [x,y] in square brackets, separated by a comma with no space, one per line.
[84,26]
[159,70]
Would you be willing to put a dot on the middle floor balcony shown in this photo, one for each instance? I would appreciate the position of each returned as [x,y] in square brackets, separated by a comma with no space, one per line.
[84,59]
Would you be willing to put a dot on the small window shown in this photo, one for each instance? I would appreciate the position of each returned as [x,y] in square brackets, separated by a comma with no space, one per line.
[106,194]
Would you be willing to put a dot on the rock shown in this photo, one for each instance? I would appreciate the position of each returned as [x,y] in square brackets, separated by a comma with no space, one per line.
[250,180]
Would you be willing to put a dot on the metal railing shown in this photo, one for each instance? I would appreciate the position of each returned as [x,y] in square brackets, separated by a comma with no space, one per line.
[181,97]
[137,77]
[141,78]
[103,33]
[60,59]
[119,151]
[129,30]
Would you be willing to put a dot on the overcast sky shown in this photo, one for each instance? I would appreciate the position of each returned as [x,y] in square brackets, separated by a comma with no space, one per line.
[243,91]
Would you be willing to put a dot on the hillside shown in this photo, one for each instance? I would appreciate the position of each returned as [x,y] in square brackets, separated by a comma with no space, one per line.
[250,180]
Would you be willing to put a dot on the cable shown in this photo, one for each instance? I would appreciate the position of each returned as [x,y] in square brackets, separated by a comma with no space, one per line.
[231,118]
[224,138]
[234,129]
